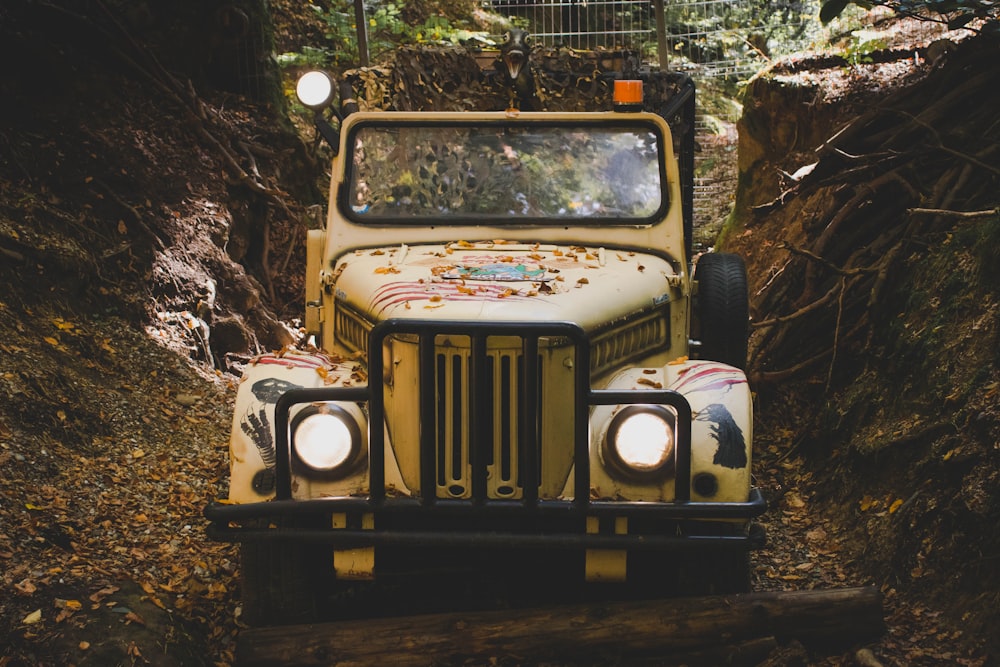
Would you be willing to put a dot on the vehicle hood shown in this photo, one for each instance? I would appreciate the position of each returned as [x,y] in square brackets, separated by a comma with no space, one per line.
[501,282]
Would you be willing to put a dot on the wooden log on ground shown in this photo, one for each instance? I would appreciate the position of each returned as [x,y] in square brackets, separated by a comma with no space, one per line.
[593,631]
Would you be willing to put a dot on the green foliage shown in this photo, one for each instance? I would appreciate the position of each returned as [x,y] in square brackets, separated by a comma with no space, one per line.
[860,48]
[954,13]
[743,35]
[310,57]
[386,29]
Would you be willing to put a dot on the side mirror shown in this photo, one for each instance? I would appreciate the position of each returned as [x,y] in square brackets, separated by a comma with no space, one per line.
[315,91]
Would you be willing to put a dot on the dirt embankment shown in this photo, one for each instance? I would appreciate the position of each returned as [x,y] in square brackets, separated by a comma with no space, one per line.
[140,223]
[868,216]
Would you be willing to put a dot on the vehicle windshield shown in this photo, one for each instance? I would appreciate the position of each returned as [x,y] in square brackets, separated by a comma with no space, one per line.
[460,172]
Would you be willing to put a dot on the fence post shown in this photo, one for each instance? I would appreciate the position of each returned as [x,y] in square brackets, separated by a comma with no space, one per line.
[661,34]
[362,29]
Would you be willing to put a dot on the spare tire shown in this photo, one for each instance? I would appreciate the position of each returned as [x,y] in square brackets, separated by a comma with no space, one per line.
[722,308]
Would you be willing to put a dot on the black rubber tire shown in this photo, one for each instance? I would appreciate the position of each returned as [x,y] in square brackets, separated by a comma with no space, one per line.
[284,582]
[723,308]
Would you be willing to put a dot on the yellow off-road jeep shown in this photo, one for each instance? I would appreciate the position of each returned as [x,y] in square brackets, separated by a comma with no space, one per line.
[503,372]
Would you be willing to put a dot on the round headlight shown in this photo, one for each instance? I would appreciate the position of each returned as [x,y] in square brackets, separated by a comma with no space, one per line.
[326,439]
[640,442]
[315,89]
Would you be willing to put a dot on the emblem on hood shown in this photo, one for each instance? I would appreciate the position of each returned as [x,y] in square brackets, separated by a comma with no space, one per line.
[498,271]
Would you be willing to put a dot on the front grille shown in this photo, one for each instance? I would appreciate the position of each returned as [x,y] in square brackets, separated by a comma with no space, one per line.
[469,404]
[495,432]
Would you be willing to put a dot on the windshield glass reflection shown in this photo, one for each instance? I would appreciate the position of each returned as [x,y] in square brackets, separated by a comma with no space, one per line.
[519,173]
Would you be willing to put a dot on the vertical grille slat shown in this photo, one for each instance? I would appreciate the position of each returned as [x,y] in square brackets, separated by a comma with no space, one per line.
[428,415]
[441,442]
[456,441]
[507,417]
[528,434]
[480,441]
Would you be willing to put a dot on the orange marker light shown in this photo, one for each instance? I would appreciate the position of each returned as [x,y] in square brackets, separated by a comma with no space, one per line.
[628,95]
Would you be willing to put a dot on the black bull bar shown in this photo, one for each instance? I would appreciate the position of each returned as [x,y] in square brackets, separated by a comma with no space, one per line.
[555,523]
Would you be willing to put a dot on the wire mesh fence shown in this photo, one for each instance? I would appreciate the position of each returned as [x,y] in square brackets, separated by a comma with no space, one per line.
[715,37]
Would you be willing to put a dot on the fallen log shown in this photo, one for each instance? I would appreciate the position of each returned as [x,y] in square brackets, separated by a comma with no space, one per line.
[592,631]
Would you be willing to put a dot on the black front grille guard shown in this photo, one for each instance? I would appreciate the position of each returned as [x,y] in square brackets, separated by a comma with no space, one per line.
[681,509]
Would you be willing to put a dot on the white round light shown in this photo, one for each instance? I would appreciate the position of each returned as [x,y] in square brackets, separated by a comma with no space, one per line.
[314,89]
[644,441]
[324,441]
[640,443]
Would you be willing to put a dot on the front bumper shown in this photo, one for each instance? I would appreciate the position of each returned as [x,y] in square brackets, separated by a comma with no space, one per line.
[457,524]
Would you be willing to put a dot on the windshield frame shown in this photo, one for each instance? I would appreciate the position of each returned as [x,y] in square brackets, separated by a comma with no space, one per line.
[503,219]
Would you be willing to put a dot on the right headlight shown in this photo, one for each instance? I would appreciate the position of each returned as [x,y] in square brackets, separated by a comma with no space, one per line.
[326,441]
[640,442]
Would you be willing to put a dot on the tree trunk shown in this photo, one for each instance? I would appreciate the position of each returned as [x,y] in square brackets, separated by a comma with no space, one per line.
[720,629]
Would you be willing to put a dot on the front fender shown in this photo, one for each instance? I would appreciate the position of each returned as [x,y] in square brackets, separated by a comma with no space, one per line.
[721,431]
[251,442]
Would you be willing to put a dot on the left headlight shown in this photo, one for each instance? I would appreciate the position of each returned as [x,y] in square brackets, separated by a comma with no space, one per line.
[640,442]
[326,441]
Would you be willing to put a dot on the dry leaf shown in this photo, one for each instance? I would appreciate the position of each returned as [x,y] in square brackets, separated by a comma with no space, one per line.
[25,587]
[795,500]
[135,618]
[103,593]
